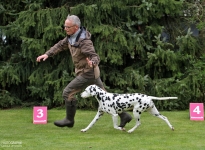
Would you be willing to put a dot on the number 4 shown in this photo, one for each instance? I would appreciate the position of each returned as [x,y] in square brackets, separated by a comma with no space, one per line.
[197,110]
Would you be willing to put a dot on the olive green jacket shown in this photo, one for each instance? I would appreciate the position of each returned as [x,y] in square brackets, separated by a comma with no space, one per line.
[83,48]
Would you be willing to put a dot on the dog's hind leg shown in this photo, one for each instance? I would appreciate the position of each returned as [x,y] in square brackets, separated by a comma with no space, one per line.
[97,117]
[156,113]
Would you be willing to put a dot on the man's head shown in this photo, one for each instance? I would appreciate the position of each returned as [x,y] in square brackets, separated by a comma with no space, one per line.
[72,24]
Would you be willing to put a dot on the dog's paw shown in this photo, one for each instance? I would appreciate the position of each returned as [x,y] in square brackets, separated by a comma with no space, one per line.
[130,131]
[172,128]
[83,130]
[120,128]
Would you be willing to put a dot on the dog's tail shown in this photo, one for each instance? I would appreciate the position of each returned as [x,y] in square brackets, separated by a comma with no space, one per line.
[162,98]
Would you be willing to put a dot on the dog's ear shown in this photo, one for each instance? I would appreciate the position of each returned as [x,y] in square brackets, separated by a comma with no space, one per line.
[92,90]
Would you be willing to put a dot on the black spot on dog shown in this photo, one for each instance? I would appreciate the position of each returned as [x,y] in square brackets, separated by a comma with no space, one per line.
[122,105]
[115,95]
[98,97]
[129,105]
[119,109]
[118,104]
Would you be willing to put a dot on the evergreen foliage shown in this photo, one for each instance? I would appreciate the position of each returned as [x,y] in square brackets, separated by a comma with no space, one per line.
[147,46]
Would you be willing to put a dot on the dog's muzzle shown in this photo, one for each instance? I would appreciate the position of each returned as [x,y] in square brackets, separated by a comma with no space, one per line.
[85,94]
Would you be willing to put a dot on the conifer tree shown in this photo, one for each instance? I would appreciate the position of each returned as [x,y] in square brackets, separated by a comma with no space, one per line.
[149,46]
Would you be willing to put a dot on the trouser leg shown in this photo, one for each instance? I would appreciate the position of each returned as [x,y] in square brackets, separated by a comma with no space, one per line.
[124,119]
[75,86]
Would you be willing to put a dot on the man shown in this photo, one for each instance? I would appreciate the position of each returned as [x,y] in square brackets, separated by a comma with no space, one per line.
[85,59]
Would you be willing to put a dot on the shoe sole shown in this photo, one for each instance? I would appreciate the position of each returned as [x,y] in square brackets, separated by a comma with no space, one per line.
[69,126]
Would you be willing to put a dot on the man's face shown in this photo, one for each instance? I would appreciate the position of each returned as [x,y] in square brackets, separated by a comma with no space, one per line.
[69,27]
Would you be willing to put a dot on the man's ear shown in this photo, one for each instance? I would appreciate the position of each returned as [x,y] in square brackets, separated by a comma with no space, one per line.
[76,27]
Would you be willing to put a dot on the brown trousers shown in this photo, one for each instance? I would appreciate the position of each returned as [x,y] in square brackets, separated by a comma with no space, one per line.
[78,84]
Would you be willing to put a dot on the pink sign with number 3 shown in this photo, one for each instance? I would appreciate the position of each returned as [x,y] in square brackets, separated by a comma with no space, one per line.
[39,115]
[196,111]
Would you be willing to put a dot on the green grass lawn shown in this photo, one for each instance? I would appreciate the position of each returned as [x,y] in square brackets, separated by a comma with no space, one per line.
[17,131]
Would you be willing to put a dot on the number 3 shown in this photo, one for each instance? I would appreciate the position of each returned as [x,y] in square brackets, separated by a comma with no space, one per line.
[40,113]
[196,110]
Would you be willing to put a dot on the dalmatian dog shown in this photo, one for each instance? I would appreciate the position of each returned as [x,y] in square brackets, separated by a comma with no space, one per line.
[114,104]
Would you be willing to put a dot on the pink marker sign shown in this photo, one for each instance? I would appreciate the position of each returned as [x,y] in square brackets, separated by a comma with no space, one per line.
[39,115]
[196,111]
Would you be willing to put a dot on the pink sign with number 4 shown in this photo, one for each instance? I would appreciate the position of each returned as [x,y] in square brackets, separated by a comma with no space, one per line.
[39,115]
[196,111]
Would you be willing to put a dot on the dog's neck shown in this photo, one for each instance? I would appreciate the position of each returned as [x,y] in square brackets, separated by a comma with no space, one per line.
[100,95]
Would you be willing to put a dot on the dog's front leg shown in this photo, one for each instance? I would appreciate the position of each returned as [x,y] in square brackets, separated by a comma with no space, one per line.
[97,116]
[115,121]
[136,114]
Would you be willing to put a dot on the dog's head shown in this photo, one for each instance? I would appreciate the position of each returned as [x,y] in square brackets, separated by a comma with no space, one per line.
[91,90]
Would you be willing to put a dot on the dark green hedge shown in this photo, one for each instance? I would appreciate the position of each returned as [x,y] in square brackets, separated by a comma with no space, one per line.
[154,47]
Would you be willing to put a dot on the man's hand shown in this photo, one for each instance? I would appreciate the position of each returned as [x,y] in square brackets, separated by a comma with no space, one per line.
[90,63]
[44,57]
